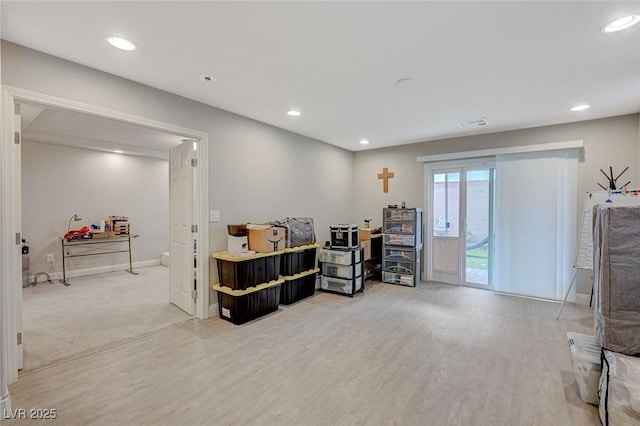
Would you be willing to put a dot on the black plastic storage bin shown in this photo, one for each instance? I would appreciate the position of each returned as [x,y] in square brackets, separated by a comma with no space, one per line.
[298,287]
[240,306]
[242,272]
[298,259]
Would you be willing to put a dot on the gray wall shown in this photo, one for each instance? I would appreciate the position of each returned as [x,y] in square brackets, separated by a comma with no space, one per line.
[607,142]
[58,181]
[257,172]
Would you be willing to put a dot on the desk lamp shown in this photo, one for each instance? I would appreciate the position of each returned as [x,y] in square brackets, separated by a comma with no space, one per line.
[74,218]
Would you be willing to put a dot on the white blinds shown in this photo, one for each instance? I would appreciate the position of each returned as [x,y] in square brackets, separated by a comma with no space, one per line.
[535,222]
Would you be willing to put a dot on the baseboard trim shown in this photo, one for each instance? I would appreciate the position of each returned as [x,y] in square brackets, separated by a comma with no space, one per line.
[111,268]
[5,406]
[583,299]
[213,310]
[100,269]
[524,296]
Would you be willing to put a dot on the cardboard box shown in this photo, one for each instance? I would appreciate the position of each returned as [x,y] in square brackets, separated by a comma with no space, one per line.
[266,238]
[365,234]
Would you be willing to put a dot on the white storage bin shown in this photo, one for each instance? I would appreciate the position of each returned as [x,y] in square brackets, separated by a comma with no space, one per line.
[399,228]
[404,215]
[396,253]
[399,240]
[393,278]
[399,267]
[340,285]
[342,257]
[585,350]
[342,271]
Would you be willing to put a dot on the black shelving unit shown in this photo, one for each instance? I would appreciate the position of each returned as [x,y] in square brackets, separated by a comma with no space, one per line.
[402,246]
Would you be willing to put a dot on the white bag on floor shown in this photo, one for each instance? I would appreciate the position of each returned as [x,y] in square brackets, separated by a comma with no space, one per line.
[619,395]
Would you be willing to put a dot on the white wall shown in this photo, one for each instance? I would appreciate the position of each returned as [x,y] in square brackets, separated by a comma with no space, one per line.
[257,172]
[607,142]
[58,181]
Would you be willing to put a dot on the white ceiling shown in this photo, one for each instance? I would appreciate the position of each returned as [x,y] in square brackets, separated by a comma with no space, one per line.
[57,126]
[516,64]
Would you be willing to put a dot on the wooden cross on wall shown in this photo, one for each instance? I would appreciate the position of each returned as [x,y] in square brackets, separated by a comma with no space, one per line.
[385,176]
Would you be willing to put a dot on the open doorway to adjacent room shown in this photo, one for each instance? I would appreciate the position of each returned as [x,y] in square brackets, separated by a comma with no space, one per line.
[76,165]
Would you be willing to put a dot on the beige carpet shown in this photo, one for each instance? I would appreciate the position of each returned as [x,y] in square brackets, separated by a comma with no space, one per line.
[93,313]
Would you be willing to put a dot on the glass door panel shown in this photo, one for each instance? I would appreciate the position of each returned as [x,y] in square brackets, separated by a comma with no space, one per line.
[446,204]
[462,224]
[479,193]
[445,253]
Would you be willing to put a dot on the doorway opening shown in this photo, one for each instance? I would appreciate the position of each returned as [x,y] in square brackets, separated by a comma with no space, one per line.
[14,219]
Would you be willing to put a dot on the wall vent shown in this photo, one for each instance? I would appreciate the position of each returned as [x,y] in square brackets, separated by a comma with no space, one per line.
[472,124]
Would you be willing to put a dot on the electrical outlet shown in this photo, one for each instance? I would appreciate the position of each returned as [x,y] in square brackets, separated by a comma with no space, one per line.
[50,257]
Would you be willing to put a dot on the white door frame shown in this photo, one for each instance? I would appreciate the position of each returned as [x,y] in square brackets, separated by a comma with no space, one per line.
[441,275]
[449,165]
[10,193]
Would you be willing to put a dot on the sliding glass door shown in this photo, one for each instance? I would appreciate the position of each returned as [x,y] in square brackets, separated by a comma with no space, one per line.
[478,225]
[461,214]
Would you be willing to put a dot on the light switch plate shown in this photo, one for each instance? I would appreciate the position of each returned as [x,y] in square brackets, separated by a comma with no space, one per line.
[214,215]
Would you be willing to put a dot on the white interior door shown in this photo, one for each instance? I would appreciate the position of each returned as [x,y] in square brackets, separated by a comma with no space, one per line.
[182,255]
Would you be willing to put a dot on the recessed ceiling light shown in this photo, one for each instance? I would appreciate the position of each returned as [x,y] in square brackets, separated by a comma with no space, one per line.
[364,141]
[118,151]
[294,113]
[120,43]
[580,107]
[621,24]
[207,78]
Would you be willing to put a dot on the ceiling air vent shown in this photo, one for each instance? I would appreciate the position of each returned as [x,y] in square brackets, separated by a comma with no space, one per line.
[472,124]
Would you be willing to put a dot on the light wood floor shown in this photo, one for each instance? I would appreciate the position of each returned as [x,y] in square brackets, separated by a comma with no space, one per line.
[431,355]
